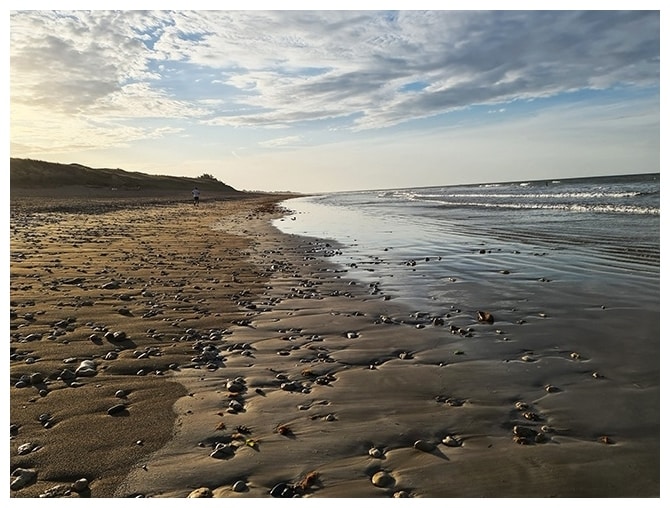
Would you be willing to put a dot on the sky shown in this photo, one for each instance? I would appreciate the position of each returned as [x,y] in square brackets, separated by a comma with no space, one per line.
[333,100]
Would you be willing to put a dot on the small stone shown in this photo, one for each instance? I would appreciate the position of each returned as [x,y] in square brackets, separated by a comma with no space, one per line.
[452,441]
[116,409]
[382,479]
[375,453]
[22,477]
[234,387]
[202,492]
[282,490]
[80,485]
[424,446]
[120,394]
[25,448]
[239,486]
[222,451]
[87,368]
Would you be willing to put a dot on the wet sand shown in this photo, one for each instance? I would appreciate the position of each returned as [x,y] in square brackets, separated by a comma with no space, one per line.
[251,367]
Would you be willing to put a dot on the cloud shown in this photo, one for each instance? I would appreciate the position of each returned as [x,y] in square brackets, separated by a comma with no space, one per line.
[359,70]
[285,141]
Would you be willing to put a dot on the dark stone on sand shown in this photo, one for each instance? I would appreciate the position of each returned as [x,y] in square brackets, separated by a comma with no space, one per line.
[22,477]
[116,409]
[283,490]
[239,486]
[424,446]
[382,479]
[485,317]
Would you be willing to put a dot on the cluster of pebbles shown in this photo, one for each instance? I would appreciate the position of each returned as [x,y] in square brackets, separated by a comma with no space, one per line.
[307,364]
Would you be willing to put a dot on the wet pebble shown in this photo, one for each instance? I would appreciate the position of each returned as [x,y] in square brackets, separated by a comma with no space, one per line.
[424,446]
[452,441]
[382,479]
[87,368]
[375,453]
[282,490]
[116,409]
[22,477]
[80,485]
[222,451]
[239,486]
[202,492]
[26,448]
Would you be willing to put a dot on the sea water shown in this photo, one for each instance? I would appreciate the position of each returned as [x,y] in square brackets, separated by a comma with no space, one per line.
[599,235]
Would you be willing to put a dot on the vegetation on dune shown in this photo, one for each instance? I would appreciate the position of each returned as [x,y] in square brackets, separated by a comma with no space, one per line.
[29,173]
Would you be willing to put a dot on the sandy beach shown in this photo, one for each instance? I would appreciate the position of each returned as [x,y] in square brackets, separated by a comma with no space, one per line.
[170,351]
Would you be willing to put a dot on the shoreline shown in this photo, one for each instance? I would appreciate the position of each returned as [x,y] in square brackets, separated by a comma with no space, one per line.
[277,328]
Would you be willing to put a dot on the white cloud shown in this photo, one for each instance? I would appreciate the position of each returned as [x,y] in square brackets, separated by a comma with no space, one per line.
[343,70]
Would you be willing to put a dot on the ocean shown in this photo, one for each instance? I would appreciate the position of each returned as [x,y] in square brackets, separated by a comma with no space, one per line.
[435,247]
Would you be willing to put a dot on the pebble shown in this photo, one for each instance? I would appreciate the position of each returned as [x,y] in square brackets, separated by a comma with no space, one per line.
[424,446]
[202,492]
[452,441]
[239,486]
[22,477]
[282,490]
[222,450]
[26,448]
[375,453]
[80,485]
[87,368]
[116,409]
[382,479]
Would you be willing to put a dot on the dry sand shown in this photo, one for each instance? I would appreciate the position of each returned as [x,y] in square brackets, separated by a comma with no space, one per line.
[218,307]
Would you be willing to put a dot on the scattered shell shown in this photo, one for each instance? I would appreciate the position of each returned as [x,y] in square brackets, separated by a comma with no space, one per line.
[575,356]
[552,389]
[401,494]
[382,479]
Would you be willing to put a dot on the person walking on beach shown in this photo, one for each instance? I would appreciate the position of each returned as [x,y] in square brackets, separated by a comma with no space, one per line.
[196,196]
